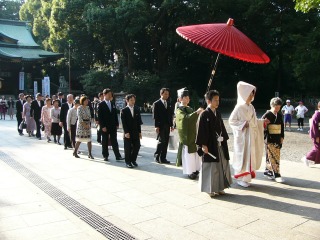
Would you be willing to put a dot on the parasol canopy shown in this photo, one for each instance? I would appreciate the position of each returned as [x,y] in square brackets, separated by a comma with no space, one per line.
[226,39]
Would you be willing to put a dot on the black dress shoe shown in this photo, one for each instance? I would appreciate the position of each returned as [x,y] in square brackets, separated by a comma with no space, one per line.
[119,158]
[106,159]
[65,148]
[90,156]
[156,160]
[134,164]
[129,165]
[165,161]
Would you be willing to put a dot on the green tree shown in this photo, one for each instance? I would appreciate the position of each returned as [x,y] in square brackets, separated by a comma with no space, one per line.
[9,9]
[307,5]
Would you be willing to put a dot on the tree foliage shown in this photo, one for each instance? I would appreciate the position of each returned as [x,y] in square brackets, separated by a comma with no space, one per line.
[150,54]
[307,5]
[9,9]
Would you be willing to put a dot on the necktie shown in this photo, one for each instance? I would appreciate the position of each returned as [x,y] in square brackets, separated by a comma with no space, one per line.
[39,103]
[165,103]
[131,109]
[109,105]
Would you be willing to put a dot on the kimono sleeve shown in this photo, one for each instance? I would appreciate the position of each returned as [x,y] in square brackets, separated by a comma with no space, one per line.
[203,129]
[235,121]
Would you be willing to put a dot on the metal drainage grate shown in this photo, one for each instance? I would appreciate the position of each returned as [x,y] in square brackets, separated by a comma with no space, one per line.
[101,225]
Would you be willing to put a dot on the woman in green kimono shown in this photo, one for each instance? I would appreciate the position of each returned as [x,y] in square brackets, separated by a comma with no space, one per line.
[186,120]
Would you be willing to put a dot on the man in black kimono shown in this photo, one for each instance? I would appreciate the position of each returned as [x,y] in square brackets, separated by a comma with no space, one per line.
[163,122]
[131,123]
[215,174]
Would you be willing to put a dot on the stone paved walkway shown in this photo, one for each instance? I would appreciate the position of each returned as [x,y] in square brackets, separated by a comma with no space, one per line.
[149,202]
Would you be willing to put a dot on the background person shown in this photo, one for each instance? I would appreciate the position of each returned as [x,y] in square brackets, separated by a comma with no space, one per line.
[10,104]
[301,111]
[83,132]
[46,119]
[31,125]
[72,122]
[163,123]
[287,110]
[63,120]
[56,130]
[19,110]
[35,112]
[3,107]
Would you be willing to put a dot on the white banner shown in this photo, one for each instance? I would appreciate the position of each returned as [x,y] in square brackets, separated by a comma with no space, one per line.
[46,86]
[42,84]
[21,81]
[35,88]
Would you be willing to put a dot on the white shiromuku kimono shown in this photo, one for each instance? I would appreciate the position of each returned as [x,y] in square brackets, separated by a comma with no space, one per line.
[248,142]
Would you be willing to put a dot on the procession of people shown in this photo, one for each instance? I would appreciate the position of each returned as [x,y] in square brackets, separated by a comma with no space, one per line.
[203,139]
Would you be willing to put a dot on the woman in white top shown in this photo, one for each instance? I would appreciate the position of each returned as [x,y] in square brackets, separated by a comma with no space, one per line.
[301,110]
[72,121]
[56,130]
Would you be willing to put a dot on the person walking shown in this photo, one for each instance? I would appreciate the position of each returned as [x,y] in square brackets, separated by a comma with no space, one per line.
[83,131]
[63,120]
[96,104]
[26,115]
[163,122]
[72,121]
[212,137]
[108,120]
[3,108]
[248,135]
[19,110]
[274,135]
[287,110]
[301,111]
[46,119]
[35,113]
[186,120]
[314,155]
[131,123]
[10,104]
[56,130]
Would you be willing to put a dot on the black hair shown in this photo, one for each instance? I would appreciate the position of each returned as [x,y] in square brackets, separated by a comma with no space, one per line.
[162,90]
[210,94]
[129,96]
[106,91]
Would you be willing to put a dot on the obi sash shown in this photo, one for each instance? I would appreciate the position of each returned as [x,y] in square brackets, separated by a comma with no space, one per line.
[274,128]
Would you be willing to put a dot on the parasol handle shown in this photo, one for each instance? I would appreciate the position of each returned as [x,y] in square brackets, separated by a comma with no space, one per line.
[213,72]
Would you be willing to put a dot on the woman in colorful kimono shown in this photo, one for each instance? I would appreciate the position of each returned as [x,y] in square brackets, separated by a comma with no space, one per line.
[46,119]
[274,135]
[314,155]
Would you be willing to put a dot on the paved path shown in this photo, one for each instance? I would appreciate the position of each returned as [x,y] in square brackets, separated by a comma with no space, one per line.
[150,202]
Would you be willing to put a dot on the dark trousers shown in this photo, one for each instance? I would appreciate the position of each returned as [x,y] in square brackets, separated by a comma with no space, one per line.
[73,135]
[38,124]
[114,143]
[131,149]
[19,119]
[99,135]
[163,140]
[300,122]
[66,136]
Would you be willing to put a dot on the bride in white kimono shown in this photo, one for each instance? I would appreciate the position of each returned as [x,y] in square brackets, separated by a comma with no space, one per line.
[248,134]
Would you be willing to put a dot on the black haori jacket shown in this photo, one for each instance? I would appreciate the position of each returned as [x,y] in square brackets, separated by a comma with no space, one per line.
[208,126]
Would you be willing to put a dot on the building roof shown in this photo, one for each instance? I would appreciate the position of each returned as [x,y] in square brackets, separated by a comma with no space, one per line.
[18,45]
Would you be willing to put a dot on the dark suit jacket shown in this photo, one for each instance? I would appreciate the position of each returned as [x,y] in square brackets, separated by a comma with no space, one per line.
[131,124]
[162,116]
[63,101]
[107,118]
[35,111]
[63,112]
[19,108]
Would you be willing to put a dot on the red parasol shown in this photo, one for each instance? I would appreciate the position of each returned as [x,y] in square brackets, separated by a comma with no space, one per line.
[224,38]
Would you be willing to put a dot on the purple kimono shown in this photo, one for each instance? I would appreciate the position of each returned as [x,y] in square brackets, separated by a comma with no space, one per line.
[314,154]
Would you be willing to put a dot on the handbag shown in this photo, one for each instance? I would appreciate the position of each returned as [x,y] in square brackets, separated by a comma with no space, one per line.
[22,125]
[42,127]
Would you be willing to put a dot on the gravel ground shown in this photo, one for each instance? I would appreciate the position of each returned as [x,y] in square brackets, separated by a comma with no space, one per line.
[296,144]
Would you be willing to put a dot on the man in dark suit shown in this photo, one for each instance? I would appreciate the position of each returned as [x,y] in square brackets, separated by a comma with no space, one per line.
[63,120]
[108,120]
[163,122]
[19,108]
[35,112]
[131,123]
[61,98]
[96,104]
